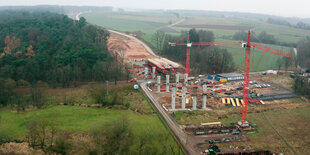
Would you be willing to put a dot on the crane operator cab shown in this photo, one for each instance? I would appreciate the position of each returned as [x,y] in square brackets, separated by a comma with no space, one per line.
[244,45]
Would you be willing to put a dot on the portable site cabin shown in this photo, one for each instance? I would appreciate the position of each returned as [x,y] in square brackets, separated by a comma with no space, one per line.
[230,76]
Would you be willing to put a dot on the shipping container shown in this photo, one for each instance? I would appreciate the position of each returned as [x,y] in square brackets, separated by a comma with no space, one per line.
[223,80]
[210,77]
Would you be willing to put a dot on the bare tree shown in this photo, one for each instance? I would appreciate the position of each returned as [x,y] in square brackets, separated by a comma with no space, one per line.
[113,137]
[38,131]
[33,133]
[42,126]
[159,38]
[279,63]
[287,62]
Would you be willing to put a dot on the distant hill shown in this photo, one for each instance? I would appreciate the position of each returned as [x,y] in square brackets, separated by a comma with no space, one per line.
[70,9]
[55,8]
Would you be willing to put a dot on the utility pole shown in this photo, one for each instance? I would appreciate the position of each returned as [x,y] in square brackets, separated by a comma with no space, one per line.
[107,83]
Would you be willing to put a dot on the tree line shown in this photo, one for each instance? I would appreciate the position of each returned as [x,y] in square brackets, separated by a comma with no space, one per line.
[204,59]
[299,25]
[303,54]
[49,47]
[262,37]
[302,86]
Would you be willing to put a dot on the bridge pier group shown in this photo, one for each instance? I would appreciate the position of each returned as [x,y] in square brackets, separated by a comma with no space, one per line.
[194,94]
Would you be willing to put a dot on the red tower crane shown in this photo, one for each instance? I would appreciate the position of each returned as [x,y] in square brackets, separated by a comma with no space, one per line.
[248,47]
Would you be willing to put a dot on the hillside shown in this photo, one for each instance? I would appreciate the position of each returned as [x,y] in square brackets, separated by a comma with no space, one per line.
[53,48]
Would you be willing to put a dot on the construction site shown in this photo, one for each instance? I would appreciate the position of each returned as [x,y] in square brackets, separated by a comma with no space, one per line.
[169,85]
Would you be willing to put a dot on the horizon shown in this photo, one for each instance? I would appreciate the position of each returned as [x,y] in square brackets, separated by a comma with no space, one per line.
[261,7]
[145,9]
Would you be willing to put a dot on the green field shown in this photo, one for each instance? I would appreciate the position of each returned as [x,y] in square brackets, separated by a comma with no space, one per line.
[148,23]
[69,119]
[76,119]
[292,124]
[260,60]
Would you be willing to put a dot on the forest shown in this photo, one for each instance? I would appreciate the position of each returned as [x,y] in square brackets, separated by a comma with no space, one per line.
[204,59]
[53,48]
[303,56]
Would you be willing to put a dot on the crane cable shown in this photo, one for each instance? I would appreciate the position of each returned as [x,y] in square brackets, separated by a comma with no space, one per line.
[279,134]
[257,38]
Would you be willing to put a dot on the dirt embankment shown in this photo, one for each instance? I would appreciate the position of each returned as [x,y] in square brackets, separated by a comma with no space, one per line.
[126,48]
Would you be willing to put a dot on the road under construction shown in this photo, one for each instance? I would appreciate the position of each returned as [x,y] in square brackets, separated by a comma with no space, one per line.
[181,92]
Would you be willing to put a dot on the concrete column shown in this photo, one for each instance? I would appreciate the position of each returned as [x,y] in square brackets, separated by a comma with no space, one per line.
[194,102]
[183,97]
[204,99]
[204,88]
[146,72]
[153,72]
[173,98]
[158,84]
[167,83]
[177,78]
[185,78]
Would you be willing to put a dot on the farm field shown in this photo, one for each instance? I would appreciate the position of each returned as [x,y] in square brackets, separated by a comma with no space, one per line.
[260,60]
[128,22]
[290,122]
[222,27]
[75,119]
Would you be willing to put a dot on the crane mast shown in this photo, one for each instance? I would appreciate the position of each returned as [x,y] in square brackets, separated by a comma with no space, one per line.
[246,78]
[188,54]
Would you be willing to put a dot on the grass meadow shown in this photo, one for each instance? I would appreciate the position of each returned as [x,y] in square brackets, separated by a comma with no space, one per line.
[75,118]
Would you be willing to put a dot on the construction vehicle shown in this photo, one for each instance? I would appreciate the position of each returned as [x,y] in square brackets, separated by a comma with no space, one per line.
[133,80]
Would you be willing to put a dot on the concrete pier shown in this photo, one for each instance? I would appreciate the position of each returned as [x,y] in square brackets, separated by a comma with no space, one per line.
[183,97]
[153,72]
[167,82]
[177,78]
[146,72]
[173,98]
[194,102]
[185,79]
[204,99]
[158,84]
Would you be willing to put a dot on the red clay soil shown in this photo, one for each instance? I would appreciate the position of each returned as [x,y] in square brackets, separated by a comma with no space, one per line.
[127,48]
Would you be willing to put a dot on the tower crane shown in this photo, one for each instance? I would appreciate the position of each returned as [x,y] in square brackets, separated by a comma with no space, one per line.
[247,45]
